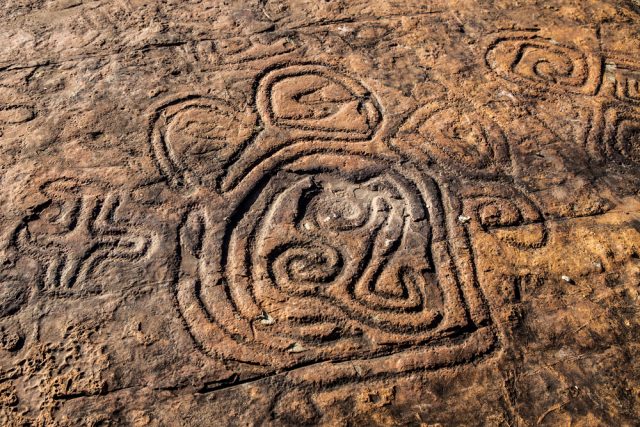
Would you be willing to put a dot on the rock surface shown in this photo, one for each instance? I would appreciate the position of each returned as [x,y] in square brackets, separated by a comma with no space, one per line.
[319,212]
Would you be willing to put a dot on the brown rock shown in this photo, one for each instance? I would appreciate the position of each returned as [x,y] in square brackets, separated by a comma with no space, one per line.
[336,213]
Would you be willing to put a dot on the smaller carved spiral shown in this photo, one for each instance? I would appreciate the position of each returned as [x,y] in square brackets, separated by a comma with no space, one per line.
[532,61]
[302,268]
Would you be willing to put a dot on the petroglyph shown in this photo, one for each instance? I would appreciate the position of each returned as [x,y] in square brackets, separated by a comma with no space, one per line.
[312,101]
[528,59]
[319,213]
[73,234]
[616,134]
[194,136]
[457,139]
[506,213]
[335,259]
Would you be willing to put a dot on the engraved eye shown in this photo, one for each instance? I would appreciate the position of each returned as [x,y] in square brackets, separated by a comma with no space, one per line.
[313,100]
[207,128]
[363,35]
[196,132]
[370,33]
[308,97]
[232,45]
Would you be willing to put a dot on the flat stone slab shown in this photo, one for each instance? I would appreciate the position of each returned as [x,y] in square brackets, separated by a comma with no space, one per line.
[319,213]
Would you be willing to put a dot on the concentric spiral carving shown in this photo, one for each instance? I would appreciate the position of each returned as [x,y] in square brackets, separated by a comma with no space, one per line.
[527,59]
[626,142]
[505,213]
[617,134]
[302,269]
[338,245]
[351,260]
[309,240]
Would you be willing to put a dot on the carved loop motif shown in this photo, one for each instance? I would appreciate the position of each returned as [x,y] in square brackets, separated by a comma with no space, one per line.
[525,58]
[322,246]
[324,251]
[313,101]
[75,234]
[458,140]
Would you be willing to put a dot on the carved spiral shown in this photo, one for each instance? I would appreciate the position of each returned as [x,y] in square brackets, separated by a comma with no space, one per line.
[507,214]
[530,60]
[300,268]
[349,259]
[625,144]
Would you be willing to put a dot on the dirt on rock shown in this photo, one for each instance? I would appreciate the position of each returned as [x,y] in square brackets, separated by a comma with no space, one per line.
[292,212]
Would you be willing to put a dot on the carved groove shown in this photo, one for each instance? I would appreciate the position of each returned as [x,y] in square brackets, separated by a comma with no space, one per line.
[527,59]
